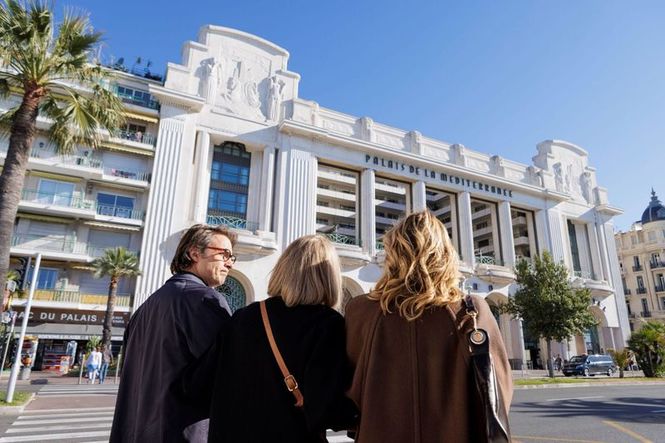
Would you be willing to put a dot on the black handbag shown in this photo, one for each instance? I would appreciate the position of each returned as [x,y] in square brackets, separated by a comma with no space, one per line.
[486,399]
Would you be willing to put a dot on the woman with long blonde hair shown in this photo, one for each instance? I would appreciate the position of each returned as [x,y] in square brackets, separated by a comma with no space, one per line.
[413,376]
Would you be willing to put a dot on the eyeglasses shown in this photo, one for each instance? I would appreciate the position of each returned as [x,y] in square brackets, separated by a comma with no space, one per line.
[228,255]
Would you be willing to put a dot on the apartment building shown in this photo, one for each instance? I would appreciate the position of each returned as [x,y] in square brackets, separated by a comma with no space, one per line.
[641,252]
[73,208]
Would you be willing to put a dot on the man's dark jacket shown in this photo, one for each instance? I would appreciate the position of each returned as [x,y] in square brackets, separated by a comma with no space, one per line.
[166,337]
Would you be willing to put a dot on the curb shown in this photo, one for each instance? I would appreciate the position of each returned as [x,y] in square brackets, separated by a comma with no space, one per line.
[15,410]
[589,384]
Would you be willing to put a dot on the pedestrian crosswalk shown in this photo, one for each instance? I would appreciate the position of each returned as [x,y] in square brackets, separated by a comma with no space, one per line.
[78,425]
[77,390]
[60,425]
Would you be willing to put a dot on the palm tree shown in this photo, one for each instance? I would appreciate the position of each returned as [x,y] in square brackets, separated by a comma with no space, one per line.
[52,73]
[621,358]
[115,263]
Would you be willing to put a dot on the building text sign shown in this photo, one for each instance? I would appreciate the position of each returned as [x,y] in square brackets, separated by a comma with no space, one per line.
[440,176]
[40,315]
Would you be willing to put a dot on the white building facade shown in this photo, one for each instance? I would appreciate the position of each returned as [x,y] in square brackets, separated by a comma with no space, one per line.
[238,146]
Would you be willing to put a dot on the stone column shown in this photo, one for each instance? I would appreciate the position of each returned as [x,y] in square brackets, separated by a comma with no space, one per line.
[608,247]
[419,196]
[299,211]
[506,233]
[557,233]
[202,185]
[161,206]
[594,253]
[267,185]
[367,212]
[542,231]
[466,228]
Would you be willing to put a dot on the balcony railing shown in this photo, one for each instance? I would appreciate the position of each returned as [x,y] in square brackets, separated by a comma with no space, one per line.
[379,245]
[655,264]
[641,290]
[65,296]
[343,239]
[626,292]
[232,222]
[637,268]
[645,313]
[128,173]
[44,243]
[145,100]
[488,260]
[68,159]
[137,136]
[119,211]
[583,274]
[55,199]
[660,288]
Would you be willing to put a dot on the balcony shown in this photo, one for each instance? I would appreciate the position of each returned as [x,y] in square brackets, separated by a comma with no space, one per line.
[131,174]
[55,199]
[492,269]
[74,297]
[119,211]
[660,287]
[637,268]
[626,291]
[251,240]
[641,290]
[645,314]
[656,264]
[343,239]
[60,247]
[137,136]
[137,98]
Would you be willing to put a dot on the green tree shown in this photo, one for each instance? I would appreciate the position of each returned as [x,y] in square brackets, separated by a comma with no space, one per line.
[547,303]
[648,344]
[621,358]
[115,263]
[48,66]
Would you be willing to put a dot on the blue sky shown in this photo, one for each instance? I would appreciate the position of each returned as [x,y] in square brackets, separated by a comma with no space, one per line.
[496,76]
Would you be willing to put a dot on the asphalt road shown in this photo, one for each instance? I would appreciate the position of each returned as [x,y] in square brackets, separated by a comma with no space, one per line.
[620,414]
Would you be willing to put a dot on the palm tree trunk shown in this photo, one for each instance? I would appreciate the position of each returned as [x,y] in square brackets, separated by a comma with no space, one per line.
[550,362]
[13,173]
[108,317]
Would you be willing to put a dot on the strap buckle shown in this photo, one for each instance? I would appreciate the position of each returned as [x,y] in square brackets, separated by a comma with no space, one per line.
[291,383]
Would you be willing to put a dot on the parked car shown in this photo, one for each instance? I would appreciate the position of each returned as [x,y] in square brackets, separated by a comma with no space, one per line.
[589,365]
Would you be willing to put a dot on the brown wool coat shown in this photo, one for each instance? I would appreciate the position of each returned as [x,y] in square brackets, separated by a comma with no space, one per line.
[411,379]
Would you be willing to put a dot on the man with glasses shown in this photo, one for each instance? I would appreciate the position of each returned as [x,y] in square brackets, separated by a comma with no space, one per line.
[168,337]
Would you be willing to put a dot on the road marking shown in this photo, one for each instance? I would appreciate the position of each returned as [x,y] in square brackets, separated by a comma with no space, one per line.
[80,414]
[64,437]
[41,411]
[13,430]
[65,420]
[627,431]
[574,398]
[568,440]
[658,411]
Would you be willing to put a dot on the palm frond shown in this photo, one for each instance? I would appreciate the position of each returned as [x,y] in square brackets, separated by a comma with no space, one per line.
[116,262]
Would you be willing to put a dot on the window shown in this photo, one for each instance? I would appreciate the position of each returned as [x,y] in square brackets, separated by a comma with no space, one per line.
[394,200]
[136,97]
[645,306]
[229,181]
[46,278]
[227,202]
[662,303]
[55,192]
[640,282]
[636,261]
[524,233]
[574,250]
[115,205]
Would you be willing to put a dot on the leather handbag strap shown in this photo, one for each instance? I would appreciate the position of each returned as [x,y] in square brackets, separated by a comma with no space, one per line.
[289,380]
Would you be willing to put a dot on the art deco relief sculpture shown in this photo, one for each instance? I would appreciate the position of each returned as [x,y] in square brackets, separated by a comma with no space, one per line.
[274,98]
[211,79]
[559,180]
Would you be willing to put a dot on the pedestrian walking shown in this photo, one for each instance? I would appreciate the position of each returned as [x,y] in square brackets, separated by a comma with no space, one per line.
[293,392]
[107,360]
[409,343]
[168,334]
[93,363]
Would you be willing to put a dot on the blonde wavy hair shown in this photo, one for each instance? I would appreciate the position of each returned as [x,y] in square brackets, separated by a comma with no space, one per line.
[307,273]
[421,267]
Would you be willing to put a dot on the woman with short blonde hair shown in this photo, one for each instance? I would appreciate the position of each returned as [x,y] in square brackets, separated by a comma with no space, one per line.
[412,378]
[314,261]
[304,285]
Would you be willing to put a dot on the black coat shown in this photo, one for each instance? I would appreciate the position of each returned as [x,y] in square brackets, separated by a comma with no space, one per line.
[165,337]
[250,400]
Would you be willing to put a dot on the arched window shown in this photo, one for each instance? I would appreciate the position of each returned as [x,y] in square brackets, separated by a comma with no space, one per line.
[234,293]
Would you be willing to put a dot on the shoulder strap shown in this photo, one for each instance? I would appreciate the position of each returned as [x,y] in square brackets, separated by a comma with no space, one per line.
[289,380]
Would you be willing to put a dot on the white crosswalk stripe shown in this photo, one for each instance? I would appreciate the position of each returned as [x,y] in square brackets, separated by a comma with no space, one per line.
[65,425]
[78,390]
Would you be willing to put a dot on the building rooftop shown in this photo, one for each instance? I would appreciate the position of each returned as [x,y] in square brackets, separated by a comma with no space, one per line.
[655,211]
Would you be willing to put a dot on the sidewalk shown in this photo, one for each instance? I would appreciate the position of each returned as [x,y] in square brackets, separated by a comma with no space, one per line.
[49,378]
[541,373]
